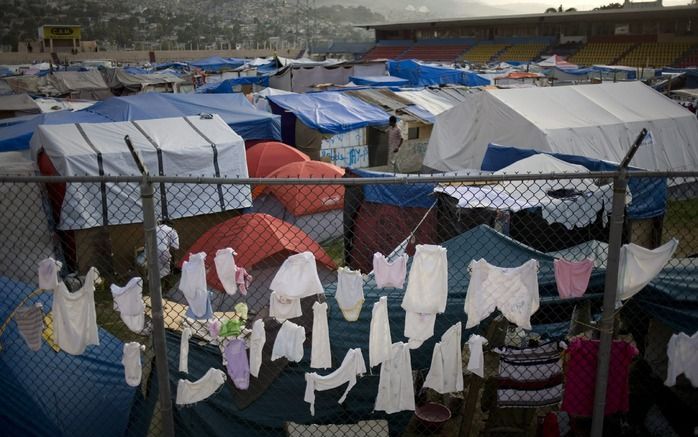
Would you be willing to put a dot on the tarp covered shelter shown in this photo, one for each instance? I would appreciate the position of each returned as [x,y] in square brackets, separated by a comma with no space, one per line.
[598,121]
[17,105]
[217,64]
[232,85]
[419,74]
[55,393]
[379,81]
[171,146]
[123,82]
[77,84]
[234,109]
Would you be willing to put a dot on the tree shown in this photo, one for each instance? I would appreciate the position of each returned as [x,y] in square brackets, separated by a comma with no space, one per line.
[571,10]
[610,6]
[550,11]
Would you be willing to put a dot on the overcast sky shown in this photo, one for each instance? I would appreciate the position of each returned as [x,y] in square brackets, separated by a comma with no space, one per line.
[579,4]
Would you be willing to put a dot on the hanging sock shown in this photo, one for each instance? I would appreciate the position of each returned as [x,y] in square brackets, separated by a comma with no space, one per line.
[572,277]
[476,362]
[192,392]
[184,350]
[352,366]
[320,352]
[74,316]
[379,339]
[226,269]
[243,280]
[132,363]
[257,340]
[446,371]
[128,300]
[48,273]
[237,364]
[30,323]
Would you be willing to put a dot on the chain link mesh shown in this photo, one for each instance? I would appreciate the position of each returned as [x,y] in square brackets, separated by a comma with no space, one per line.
[532,379]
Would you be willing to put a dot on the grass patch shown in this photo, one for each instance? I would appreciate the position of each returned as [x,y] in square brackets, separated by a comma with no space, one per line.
[681,222]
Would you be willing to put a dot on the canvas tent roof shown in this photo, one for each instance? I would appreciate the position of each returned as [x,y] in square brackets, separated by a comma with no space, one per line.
[185,151]
[599,121]
[216,64]
[19,104]
[86,84]
[119,78]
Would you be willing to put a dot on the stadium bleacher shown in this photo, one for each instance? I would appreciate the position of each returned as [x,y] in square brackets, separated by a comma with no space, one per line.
[655,54]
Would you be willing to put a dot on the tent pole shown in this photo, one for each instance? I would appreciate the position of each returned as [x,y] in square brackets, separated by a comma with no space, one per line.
[620,184]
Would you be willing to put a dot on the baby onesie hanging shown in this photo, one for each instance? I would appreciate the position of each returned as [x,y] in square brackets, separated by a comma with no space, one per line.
[476,362]
[48,273]
[30,323]
[226,269]
[638,266]
[682,352]
[193,285]
[237,363]
[297,277]
[283,308]
[379,339]
[289,342]
[74,316]
[513,290]
[389,274]
[184,350]
[320,352]
[427,284]
[131,361]
[350,293]
[189,392]
[128,300]
[352,366]
[395,387]
[572,277]
[257,340]
[446,371]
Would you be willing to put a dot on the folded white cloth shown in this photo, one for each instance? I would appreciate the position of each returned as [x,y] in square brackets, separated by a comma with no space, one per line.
[226,269]
[418,328]
[189,392]
[379,338]
[297,277]
[352,366]
[283,308]
[289,342]
[446,371]
[638,266]
[320,352]
[427,283]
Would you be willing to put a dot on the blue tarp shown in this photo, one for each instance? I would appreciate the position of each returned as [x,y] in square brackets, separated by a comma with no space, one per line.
[234,109]
[403,195]
[228,85]
[649,194]
[216,64]
[329,112]
[379,80]
[426,75]
[55,393]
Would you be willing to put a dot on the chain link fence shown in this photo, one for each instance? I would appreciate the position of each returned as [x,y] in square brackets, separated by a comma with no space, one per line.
[504,277]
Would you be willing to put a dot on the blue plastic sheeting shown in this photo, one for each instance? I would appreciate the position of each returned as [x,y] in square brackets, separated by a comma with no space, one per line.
[649,194]
[329,112]
[420,112]
[136,70]
[672,297]
[572,71]
[426,75]
[55,393]
[379,80]
[216,64]
[234,109]
[4,71]
[403,195]
[228,85]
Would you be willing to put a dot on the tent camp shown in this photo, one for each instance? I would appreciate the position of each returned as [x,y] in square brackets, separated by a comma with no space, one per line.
[597,121]
[217,64]
[177,146]
[234,109]
[419,74]
[123,83]
[76,84]
[17,105]
[264,158]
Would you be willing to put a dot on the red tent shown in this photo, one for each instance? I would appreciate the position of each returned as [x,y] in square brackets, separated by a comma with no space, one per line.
[255,237]
[301,200]
[264,158]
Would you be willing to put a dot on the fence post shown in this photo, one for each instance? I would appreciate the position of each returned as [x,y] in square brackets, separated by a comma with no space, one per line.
[158,321]
[615,237]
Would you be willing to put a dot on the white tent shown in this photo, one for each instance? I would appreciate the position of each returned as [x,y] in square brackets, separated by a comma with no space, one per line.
[596,121]
[192,145]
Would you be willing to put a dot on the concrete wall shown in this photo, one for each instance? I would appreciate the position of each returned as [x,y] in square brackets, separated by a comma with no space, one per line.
[12,58]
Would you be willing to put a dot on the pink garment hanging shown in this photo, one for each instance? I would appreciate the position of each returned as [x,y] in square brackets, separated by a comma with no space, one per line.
[572,277]
[243,280]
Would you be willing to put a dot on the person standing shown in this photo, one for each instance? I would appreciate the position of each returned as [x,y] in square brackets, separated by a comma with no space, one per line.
[394,138]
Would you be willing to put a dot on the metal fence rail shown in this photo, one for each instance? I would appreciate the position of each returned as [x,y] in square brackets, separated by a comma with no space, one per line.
[595,362]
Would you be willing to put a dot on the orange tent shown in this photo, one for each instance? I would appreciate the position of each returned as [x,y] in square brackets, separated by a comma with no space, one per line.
[301,200]
[255,238]
[264,158]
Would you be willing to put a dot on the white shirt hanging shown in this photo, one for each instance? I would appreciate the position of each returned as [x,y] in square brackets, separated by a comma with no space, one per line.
[682,352]
[390,274]
[289,342]
[379,338]
[74,316]
[128,300]
[48,273]
[193,284]
[638,266]
[396,387]
[476,362]
[257,340]
[427,284]
[352,366]
[282,308]
[320,352]
[297,277]
[513,290]
[350,293]
[226,269]
[189,392]
[167,239]
[446,371]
